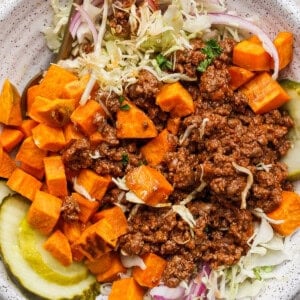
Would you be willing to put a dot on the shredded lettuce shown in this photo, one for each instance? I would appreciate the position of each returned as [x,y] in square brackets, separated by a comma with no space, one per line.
[55,32]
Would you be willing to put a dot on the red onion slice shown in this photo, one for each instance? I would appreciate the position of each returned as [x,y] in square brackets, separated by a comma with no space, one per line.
[75,23]
[88,20]
[235,21]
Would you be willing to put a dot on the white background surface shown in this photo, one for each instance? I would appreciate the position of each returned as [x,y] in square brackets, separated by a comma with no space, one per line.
[23,53]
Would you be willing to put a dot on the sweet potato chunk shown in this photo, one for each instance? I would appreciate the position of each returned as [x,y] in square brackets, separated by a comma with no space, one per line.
[7,164]
[55,176]
[94,184]
[284,44]
[126,289]
[155,150]
[132,122]
[10,105]
[58,245]
[148,184]
[10,138]
[44,212]
[150,277]
[174,98]
[264,93]
[24,184]
[239,76]
[52,112]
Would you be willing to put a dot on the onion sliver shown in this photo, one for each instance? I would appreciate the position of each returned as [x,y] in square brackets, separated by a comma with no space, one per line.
[230,20]
[88,20]
[163,292]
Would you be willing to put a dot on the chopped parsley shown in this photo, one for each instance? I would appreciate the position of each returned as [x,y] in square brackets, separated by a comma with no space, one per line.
[163,62]
[125,159]
[212,49]
[121,99]
[125,107]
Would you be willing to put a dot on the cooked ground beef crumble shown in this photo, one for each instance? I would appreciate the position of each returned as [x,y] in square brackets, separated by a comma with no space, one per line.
[224,130]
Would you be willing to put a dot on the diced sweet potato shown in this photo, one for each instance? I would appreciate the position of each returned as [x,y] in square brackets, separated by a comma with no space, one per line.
[58,245]
[155,150]
[132,122]
[44,212]
[113,272]
[101,264]
[52,84]
[10,105]
[24,184]
[264,93]
[7,164]
[31,158]
[27,126]
[115,217]
[284,42]
[48,138]
[83,116]
[148,184]
[126,289]
[52,112]
[10,138]
[239,76]
[87,207]
[93,183]
[251,56]
[174,98]
[55,176]
[289,212]
[151,276]
[71,132]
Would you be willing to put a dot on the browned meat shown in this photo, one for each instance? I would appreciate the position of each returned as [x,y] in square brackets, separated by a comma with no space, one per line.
[77,155]
[220,237]
[70,209]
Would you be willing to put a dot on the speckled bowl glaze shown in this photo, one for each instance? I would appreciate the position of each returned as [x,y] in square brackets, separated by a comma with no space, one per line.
[23,53]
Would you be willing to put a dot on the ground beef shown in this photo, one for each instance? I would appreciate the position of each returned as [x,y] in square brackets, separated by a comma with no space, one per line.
[220,237]
[70,209]
[187,61]
[77,155]
[119,23]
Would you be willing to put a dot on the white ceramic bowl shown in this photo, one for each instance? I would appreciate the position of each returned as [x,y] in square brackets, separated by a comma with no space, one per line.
[23,53]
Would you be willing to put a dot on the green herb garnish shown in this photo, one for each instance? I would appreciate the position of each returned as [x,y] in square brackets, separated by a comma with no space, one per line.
[125,107]
[125,159]
[212,49]
[121,99]
[163,62]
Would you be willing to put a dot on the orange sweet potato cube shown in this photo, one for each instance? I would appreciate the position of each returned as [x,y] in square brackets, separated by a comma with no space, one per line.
[115,217]
[126,289]
[10,138]
[58,245]
[31,158]
[148,184]
[174,98]
[94,184]
[7,164]
[113,272]
[71,132]
[87,207]
[55,176]
[251,56]
[84,115]
[27,126]
[239,76]
[24,184]
[48,138]
[284,42]
[264,93]
[44,212]
[10,105]
[151,275]
[132,122]
[155,150]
